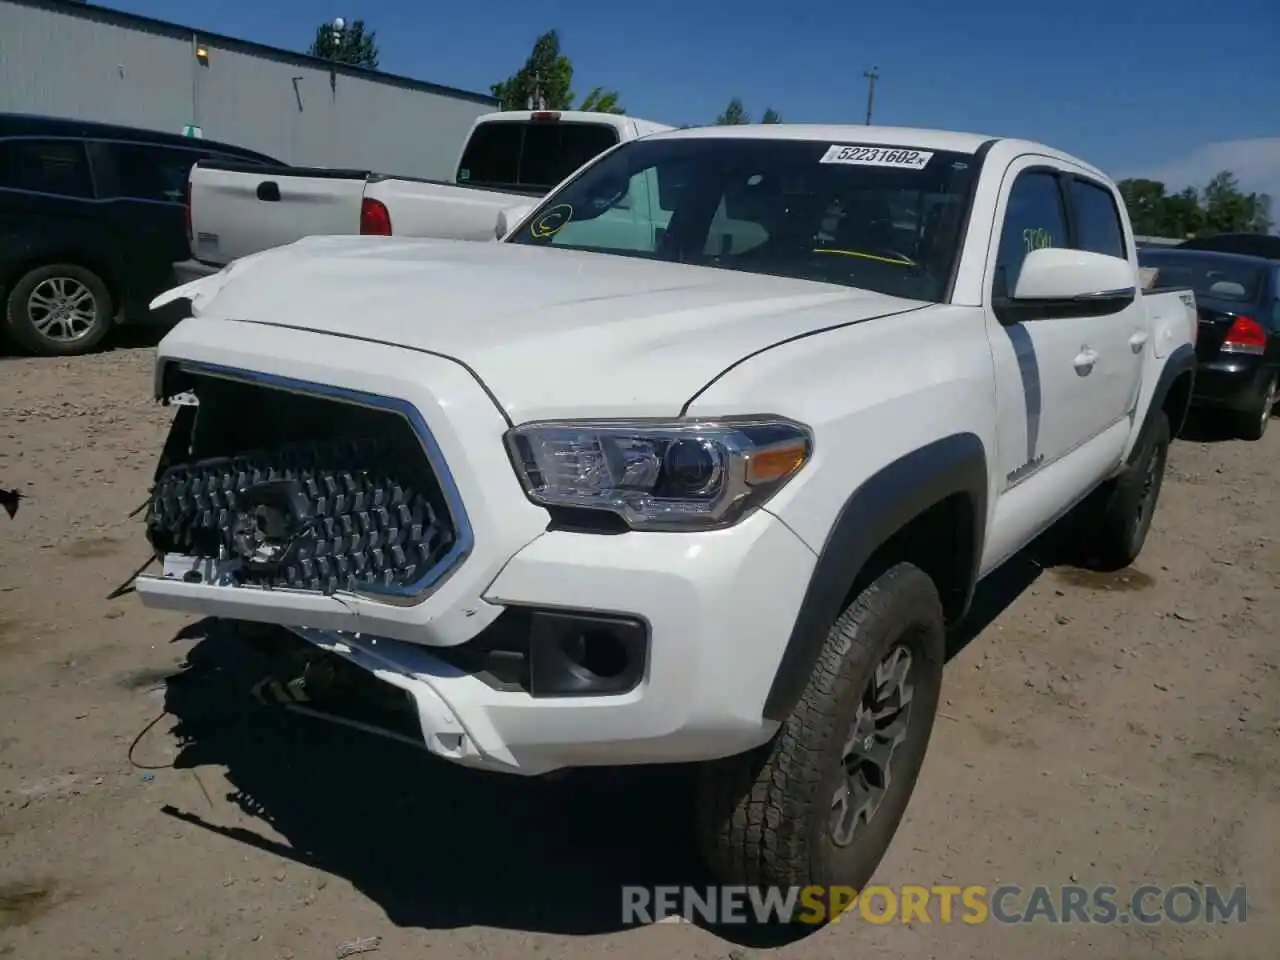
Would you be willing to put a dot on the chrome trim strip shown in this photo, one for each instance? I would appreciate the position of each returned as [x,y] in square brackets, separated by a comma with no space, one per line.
[464,537]
[1108,294]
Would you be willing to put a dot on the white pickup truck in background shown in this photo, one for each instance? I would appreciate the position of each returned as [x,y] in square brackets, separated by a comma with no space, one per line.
[510,157]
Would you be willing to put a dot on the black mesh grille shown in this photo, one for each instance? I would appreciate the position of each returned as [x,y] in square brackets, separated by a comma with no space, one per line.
[369,514]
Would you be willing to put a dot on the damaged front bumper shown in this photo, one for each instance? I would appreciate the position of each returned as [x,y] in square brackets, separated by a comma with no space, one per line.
[540,649]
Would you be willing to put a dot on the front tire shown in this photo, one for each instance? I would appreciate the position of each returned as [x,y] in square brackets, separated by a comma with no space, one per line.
[60,310]
[820,803]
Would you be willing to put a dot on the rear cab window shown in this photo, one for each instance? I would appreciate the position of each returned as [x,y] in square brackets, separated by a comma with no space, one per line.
[48,166]
[531,155]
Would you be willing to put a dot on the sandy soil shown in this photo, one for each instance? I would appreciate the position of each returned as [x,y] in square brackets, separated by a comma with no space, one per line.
[1099,730]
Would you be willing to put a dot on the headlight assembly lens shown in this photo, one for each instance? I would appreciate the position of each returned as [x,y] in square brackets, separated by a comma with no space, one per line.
[660,475]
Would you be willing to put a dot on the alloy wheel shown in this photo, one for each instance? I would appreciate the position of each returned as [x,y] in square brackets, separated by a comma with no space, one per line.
[878,728]
[62,309]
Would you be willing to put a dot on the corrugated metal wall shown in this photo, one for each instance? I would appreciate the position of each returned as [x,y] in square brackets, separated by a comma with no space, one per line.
[71,60]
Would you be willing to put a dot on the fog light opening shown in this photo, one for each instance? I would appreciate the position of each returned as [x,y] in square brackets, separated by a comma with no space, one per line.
[595,654]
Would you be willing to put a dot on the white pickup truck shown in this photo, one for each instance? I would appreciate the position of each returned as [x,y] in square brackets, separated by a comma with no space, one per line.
[697,465]
[237,209]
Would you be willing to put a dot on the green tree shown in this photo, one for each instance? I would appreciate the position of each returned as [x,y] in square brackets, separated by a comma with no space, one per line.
[351,45]
[1229,210]
[771,116]
[1226,209]
[1221,207]
[546,81]
[600,100]
[1145,200]
[734,114]
[1261,221]
[1183,216]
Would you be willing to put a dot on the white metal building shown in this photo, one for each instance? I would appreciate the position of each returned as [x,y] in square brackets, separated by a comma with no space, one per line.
[68,59]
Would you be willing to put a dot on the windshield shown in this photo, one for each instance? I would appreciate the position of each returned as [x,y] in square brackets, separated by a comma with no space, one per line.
[1212,277]
[881,218]
[531,155]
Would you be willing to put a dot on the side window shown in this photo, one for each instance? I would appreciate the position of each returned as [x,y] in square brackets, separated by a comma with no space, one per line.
[1275,300]
[58,167]
[144,171]
[1034,218]
[1097,219]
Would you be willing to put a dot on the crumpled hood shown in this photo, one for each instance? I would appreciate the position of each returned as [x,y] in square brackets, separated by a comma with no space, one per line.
[549,332]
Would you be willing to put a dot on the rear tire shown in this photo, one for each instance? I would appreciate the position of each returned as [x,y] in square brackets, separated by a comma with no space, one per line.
[1117,526]
[60,310]
[774,815]
[1251,424]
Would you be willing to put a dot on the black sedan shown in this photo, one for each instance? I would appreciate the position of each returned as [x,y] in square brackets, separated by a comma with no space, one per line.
[1238,346]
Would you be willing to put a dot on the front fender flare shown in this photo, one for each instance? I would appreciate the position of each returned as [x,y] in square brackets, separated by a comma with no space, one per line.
[880,507]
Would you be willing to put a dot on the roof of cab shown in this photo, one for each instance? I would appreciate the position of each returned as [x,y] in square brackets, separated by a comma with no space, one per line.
[1192,253]
[575,116]
[908,137]
[30,124]
[842,133]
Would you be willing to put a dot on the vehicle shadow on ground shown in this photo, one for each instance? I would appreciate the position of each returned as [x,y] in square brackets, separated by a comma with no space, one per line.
[1201,426]
[434,845]
[439,846]
[140,331]
[147,329]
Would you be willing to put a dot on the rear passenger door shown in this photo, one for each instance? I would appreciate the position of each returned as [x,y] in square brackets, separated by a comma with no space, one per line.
[1119,339]
[47,208]
[145,185]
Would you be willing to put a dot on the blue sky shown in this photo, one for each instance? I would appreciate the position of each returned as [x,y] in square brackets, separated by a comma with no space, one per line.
[1175,88]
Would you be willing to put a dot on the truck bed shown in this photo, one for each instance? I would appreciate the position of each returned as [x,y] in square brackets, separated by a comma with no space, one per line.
[238,208]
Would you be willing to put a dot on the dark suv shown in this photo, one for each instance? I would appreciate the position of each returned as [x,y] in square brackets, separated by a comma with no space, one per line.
[92,221]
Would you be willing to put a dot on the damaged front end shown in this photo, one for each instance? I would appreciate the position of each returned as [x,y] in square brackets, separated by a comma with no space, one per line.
[262,485]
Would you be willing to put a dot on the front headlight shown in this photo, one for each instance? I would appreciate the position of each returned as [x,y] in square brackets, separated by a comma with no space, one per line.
[660,475]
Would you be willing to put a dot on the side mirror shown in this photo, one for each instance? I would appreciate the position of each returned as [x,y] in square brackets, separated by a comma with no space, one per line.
[1055,282]
[509,218]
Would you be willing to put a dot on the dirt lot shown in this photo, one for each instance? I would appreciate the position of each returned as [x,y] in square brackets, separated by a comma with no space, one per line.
[1099,730]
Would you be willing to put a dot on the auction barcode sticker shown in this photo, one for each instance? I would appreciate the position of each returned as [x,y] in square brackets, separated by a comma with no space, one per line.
[876,156]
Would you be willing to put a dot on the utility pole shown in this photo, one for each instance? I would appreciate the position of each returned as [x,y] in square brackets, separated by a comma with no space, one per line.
[872,76]
[335,47]
[536,100]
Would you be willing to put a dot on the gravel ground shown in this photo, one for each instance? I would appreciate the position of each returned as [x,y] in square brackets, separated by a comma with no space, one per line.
[1118,730]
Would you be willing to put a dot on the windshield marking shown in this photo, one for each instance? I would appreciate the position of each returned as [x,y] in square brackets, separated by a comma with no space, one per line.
[877,156]
[553,221]
[865,256]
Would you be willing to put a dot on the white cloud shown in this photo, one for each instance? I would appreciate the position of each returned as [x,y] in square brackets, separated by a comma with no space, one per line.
[1256,164]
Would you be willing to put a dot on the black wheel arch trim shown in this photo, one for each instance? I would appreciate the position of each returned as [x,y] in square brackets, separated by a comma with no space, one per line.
[1179,363]
[880,507]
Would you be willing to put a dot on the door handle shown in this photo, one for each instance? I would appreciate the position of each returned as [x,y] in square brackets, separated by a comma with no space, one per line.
[1085,360]
[269,190]
[1138,341]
